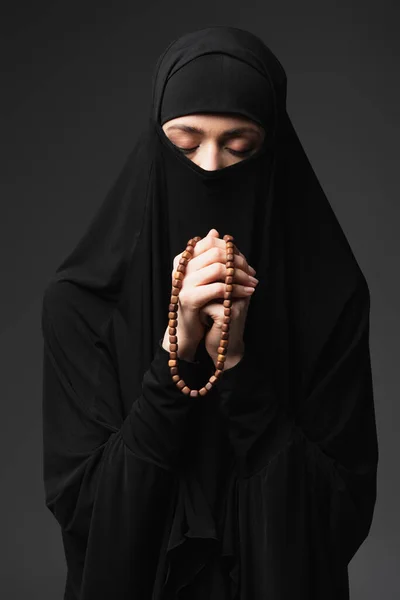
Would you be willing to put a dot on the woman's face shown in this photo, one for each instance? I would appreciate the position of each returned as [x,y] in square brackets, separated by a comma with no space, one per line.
[214,141]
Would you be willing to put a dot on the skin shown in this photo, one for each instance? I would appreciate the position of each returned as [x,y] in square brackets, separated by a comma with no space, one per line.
[216,145]
[210,142]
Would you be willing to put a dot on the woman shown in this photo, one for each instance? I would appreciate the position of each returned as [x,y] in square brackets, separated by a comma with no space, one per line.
[265,486]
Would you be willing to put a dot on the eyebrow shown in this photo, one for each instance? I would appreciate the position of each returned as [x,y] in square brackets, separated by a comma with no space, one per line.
[227,134]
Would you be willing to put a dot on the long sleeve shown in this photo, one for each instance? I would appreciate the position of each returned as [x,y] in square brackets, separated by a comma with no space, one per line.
[109,479]
[307,480]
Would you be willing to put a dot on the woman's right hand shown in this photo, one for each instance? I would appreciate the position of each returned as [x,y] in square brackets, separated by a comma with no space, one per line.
[204,281]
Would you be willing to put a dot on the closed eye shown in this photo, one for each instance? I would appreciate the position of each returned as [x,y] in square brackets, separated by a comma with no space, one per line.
[234,152]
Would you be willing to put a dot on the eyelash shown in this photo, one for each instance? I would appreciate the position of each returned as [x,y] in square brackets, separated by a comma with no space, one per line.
[234,152]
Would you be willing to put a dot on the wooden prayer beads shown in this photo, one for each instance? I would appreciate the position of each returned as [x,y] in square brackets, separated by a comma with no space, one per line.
[178,276]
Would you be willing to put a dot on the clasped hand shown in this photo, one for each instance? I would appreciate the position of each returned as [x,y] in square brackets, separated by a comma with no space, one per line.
[213,313]
[201,295]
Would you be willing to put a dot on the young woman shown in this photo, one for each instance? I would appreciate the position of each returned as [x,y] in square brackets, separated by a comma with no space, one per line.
[264,485]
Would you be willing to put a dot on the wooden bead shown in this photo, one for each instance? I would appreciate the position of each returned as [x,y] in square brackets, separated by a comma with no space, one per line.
[218,373]
[197,238]
[227,311]
[230,264]
[183,261]
[177,283]
[172,307]
[203,391]
[213,379]
[173,340]
[220,350]
[229,287]
[172,330]
[220,365]
[189,248]
[186,390]
[230,257]
[223,343]
[181,384]
[227,302]
[173,355]
[208,386]
[224,335]
[178,275]
[194,393]
[172,322]
[227,319]
[172,363]
[174,299]
[221,358]
[175,291]
[176,378]
[229,279]
[230,272]
[225,327]
[174,370]
[186,254]
[173,347]
[172,315]
[228,238]
[227,295]
[181,268]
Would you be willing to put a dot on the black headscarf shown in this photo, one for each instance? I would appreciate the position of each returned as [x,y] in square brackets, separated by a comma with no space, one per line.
[273,205]
[271,202]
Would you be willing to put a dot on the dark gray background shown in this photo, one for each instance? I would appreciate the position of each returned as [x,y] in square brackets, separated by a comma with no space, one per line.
[76,84]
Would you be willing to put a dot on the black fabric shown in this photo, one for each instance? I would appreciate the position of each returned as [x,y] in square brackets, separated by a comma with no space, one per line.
[266,487]
[218,83]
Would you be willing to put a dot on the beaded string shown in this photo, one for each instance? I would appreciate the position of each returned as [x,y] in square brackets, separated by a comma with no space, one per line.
[178,276]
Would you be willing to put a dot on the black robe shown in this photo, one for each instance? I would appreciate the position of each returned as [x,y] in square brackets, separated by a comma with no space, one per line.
[264,488]
[290,516]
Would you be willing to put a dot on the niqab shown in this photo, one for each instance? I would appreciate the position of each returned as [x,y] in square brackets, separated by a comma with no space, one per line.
[297,434]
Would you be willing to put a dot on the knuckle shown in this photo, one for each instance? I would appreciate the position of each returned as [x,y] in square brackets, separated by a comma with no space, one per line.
[222,254]
[219,269]
[215,253]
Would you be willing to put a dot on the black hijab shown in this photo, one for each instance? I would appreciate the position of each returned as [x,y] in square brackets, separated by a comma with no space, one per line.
[311,291]
[271,202]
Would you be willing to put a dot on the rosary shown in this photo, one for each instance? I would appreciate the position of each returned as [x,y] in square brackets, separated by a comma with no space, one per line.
[178,276]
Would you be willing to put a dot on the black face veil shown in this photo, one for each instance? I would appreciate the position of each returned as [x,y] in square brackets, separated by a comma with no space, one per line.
[271,203]
[312,295]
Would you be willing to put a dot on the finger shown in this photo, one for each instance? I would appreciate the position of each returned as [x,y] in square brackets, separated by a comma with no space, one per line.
[201,246]
[244,264]
[212,291]
[211,256]
[214,272]
[209,241]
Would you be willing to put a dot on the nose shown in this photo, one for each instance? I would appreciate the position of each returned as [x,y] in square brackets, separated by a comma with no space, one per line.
[210,158]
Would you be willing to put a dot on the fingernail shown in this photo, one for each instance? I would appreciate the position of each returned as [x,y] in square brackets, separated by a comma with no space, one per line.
[249,289]
[252,271]
[253,279]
